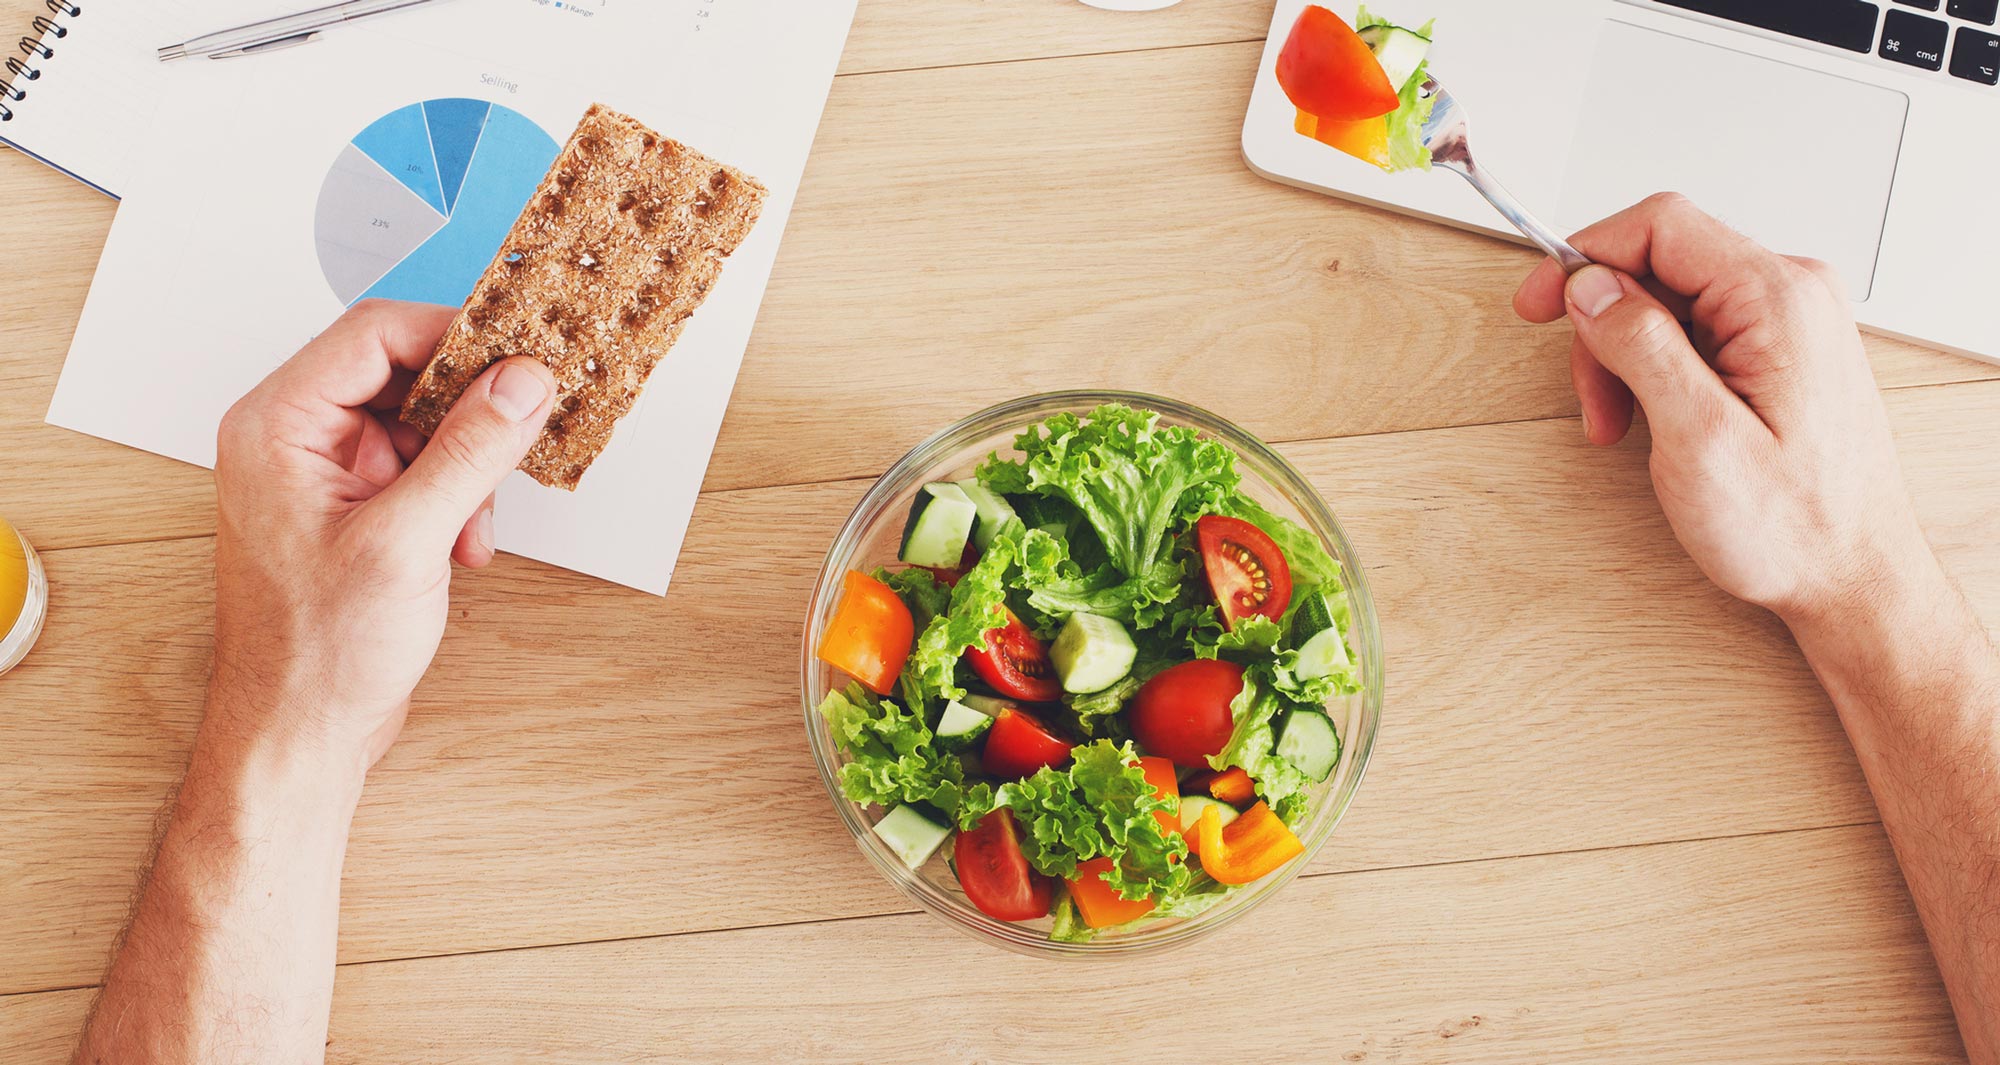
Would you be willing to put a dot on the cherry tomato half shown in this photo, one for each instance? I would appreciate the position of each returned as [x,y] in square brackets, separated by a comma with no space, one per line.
[1017,745]
[1016,664]
[995,874]
[1246,571]
[1327,70]
[1183,713]
[870,634]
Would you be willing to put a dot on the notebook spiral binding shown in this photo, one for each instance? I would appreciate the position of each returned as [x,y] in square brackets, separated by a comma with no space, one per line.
[34,49]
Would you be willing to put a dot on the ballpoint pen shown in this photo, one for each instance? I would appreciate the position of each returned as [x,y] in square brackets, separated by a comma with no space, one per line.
[284,31]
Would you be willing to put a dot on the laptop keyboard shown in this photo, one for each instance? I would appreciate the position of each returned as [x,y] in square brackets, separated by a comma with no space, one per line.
[1925,41]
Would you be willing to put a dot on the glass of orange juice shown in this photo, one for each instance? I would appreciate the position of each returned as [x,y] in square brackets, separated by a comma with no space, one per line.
[24,597]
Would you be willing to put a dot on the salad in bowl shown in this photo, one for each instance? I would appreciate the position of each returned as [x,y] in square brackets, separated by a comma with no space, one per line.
[1095,689]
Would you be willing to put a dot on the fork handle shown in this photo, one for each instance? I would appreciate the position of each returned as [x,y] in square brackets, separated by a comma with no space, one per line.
[1531,227]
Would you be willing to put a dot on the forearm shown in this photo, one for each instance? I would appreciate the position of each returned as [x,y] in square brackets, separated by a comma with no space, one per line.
[229,956]
[1917,684]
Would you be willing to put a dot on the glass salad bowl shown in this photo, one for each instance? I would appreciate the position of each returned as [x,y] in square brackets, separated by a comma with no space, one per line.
[871,537]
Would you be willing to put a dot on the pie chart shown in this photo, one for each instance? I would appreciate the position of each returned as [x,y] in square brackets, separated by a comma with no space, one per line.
[417,204]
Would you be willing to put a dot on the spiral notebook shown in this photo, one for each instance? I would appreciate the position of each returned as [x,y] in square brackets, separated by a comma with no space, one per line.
[389,159]
[82,82]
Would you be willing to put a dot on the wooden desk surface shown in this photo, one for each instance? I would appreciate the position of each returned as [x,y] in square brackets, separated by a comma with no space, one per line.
[1611,817]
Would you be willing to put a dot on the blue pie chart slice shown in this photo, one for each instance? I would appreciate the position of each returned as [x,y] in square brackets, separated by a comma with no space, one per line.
[456,126]
[415,207]
[401,143]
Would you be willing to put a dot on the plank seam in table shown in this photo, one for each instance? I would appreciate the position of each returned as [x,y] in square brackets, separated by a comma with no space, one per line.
[647,936]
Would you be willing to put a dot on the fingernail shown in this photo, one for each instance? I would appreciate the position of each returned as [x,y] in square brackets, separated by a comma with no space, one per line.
[518,392]
[482,528]
[1587,434]
[1594,289]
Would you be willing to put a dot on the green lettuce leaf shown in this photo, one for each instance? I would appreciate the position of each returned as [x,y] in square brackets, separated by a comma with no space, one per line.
[1096,713]
[1406,122]
[1057,586]
[976,605]
[1253,743]
[1253,636]
[1292,809]
[1060,518]
[1068,926]
[894,758]
[919,590]
[1196,625]
[1099,805]
[927,597]
[1134,481]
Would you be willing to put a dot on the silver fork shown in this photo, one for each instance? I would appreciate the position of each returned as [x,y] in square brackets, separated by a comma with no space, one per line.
[1446,135]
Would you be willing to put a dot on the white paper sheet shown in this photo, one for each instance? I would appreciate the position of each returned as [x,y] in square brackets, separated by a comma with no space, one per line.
[212,273]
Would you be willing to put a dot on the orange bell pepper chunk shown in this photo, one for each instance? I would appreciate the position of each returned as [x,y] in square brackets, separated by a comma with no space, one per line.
[1233,786]
[1366,139]
[1098,903]
[871,633]
[1254,845]
[1160,774]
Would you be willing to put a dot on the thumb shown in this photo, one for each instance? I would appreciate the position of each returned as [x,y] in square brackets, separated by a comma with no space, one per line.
[1633,335]
[479,442]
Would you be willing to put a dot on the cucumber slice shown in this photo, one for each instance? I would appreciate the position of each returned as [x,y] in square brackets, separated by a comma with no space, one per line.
[1193,805]
[1321,656]
[911,835]
[1307,740]
[960,725]
[1091,653]
[1400,51]
[940,523]
[1322,651]
[994,510]
[989,705]
[1313,616]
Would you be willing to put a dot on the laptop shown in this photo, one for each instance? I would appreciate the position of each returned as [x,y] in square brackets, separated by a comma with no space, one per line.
[1866,134]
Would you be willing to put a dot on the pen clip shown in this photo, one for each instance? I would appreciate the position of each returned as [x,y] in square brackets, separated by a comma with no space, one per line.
[278,45]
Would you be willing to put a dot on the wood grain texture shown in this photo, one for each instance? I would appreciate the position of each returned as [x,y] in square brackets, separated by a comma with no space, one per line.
[1560,678]
[1795,948]
[965,235]
[1610,817]
[1089,222]
[905,34]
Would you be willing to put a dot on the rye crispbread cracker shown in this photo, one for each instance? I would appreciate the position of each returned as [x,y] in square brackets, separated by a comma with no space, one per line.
[616,249]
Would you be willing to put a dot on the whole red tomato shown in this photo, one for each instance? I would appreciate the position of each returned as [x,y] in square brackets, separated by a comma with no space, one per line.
[1183,713]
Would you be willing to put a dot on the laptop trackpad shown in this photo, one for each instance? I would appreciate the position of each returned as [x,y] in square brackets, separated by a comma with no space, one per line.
[1798,159]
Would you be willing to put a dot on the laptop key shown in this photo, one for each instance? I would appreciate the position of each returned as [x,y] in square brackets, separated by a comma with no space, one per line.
[1848,24]
[1975,56]
[1974,10]
[1927,5]
[1913,39]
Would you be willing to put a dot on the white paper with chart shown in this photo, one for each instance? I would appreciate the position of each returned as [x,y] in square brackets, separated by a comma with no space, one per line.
[389,159]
